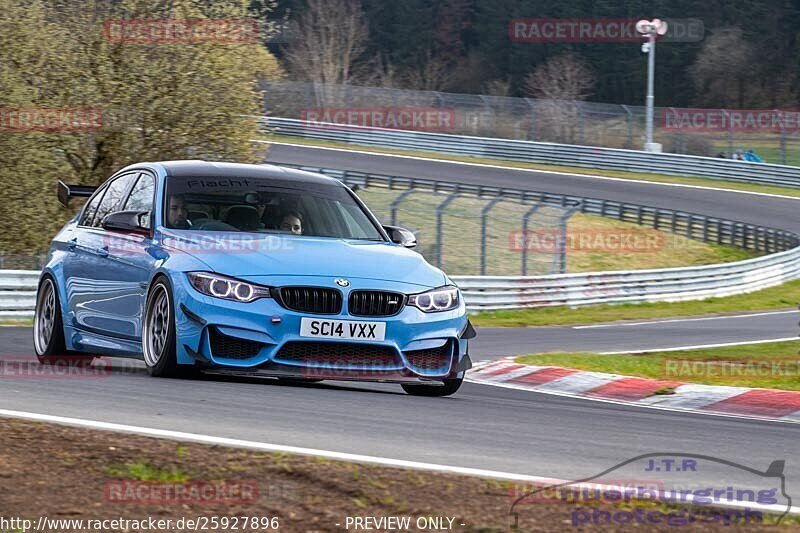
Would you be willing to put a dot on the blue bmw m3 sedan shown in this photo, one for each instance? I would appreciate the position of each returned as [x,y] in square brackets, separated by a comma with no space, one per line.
[253,270]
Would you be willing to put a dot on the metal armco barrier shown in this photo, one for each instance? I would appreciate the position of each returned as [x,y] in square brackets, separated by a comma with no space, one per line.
[539,152]
[18,293]
[483,293]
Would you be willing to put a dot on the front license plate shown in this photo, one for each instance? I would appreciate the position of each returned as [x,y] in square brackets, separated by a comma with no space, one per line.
[342,329]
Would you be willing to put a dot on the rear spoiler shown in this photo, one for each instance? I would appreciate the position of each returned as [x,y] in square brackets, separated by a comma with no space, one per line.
[65,192]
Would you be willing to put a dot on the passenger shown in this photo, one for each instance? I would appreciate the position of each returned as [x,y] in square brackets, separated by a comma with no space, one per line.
[292,222]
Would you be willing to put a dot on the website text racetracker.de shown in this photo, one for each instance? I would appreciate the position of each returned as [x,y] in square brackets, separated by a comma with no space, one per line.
[198,523]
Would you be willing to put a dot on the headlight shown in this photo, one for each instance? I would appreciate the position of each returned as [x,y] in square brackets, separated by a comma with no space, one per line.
[441,299]
[227,288]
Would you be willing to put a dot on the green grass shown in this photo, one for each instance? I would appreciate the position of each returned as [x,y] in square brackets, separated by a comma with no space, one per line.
[143,471]
[770,365]
[644,176]
[778,297]
[28,322]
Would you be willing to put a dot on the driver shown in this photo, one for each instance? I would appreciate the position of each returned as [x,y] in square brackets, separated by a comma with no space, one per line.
[177,214]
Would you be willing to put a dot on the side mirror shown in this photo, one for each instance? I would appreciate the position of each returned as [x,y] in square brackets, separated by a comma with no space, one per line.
[401,236]
[133,221]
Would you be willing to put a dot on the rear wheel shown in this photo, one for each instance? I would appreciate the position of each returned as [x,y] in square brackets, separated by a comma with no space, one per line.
[158,333]
[450,387]
[48,327]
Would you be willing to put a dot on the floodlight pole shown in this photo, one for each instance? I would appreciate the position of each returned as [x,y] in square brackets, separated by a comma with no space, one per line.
[650,101]
[650,29]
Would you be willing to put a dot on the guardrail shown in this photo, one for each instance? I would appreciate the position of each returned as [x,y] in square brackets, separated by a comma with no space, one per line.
[539,152]
[18,294]
[483,293]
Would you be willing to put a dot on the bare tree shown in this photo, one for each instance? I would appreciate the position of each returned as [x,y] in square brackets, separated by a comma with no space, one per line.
[497,88]
[433,74]
[331,38]
[559,84]
[723,70]
[563,77]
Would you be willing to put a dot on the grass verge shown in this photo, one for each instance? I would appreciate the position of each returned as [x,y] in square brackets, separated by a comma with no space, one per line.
[15,322]
[60,472]
[644,176]
[779,297]
[773,365]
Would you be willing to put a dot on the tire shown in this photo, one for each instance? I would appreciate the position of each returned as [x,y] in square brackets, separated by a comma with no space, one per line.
[158,333]
[48,327]
[450,387]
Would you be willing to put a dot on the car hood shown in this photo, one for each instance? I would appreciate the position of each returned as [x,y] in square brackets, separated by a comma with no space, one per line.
[249,255]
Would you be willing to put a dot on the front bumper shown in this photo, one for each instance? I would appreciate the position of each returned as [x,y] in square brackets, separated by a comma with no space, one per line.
[263,338]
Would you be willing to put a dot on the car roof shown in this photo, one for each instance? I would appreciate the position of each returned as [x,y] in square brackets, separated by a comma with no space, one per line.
[215,169]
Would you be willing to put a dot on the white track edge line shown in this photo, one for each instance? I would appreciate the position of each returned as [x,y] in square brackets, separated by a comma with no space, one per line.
[269,447]
[671,320]
[383,461]
[700,346]
[554,172]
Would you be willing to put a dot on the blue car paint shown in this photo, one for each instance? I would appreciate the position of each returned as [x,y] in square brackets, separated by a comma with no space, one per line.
[103,296]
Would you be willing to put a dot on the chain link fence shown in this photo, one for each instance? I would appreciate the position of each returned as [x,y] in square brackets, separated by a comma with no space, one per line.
[468,235]
[583,123]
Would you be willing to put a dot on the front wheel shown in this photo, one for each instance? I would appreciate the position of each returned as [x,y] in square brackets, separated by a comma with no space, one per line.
[450,387]
[158,333]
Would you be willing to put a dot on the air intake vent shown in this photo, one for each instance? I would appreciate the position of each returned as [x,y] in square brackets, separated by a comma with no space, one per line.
[431,361]
[317,300]
[225,347]
[375,303]
[339,354]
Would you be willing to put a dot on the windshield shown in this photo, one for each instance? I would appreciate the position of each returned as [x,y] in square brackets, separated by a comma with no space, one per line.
[266,206]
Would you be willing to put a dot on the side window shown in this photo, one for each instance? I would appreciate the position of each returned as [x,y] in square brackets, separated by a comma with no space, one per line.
[91,208]
[141,197]
[114,194]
